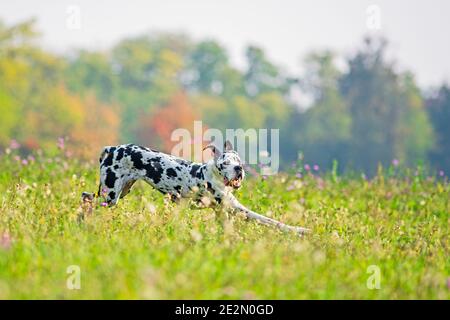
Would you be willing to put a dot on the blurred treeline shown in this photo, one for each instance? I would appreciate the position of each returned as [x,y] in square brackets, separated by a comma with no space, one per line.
[144,87]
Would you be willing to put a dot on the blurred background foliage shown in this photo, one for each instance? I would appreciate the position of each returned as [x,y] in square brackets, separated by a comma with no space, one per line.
[145,87]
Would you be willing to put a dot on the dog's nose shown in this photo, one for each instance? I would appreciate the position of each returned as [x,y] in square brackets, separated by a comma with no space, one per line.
[238,168]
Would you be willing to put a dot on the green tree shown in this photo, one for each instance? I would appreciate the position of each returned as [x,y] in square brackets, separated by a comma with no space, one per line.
[438,108]
[382,104]
[207,66]
[325,128]
[148,69]
[414,131]
[262,75]
[10,116]
[92,72]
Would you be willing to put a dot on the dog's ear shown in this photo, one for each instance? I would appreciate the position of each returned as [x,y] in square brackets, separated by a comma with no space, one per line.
[227,146]
[215,150]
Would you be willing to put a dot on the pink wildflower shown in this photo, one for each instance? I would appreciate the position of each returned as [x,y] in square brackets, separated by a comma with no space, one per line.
[14,144]
[60,143]
[5,240]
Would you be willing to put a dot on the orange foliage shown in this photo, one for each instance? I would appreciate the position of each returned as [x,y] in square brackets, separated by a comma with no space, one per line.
[87,123]
[99,128]
[156,129]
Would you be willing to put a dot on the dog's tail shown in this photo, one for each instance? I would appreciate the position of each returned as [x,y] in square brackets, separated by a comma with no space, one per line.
[88,197]
[105,152]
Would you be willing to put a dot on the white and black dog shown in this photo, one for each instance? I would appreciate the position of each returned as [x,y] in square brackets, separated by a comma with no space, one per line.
[121,166]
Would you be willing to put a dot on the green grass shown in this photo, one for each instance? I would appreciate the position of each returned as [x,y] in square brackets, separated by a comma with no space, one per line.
[147,248]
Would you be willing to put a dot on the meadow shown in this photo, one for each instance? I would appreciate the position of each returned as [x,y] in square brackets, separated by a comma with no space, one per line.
[147,248]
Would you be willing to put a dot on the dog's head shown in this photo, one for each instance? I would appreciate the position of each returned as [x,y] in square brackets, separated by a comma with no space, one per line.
[228,164]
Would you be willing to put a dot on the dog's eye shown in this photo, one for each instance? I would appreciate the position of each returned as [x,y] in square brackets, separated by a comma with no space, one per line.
[226,162]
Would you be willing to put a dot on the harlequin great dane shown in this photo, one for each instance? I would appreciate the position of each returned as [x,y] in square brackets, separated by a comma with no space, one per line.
[121,166]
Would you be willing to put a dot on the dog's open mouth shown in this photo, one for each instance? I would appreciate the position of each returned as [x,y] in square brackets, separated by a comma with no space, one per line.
[235,182]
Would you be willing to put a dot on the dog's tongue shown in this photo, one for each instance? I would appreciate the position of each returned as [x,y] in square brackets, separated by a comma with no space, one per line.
[233,182]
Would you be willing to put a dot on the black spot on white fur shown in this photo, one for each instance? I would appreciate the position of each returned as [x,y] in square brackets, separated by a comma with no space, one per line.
[170,172]
[110,178]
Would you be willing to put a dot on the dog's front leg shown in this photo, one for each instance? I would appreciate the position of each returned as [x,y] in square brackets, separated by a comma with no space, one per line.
[236,205]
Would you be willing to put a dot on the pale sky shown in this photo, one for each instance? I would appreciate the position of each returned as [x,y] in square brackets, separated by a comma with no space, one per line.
[287,29]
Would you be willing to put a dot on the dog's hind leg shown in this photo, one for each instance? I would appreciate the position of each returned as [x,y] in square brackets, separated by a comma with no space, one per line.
[122,187]
[126,188]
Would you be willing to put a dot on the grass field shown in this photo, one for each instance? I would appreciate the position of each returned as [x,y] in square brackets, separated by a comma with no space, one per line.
[148,248]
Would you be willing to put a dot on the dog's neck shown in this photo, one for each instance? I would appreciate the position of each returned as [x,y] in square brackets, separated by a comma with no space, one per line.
[213,175]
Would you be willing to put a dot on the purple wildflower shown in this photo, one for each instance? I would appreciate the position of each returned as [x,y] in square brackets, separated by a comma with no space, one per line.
[307,167]
[316,167]
[395,162]
[298,175]
[441,173]
[24,162]
[104,204]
